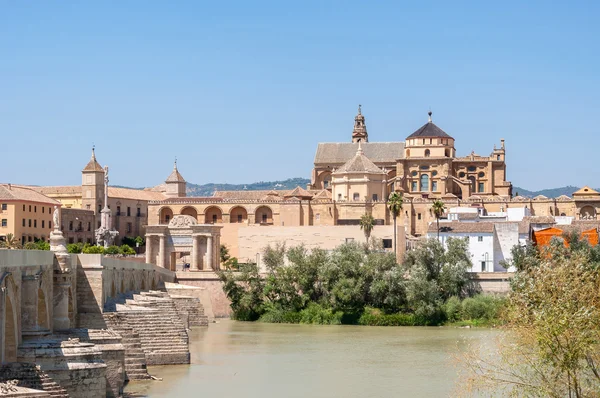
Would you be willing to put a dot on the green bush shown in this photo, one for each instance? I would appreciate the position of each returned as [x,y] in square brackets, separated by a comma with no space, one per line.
[374,317]
[112,250]
[452,308]
[75,248]
[88,249]
[481,307]
[126,250]
[316,314]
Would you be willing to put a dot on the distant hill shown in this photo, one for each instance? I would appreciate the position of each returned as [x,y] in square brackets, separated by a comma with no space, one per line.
[291,183]
[209,189]
[550,193]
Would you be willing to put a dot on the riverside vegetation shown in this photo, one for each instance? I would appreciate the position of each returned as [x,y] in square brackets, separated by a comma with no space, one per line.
[360,284]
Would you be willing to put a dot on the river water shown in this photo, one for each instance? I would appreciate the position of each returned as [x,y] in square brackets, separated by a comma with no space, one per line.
[257,360]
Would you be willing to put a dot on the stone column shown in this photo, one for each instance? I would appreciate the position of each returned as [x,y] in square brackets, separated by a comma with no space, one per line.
[161,252]
[29,304]
[209,253]
[195,266]
[149,249]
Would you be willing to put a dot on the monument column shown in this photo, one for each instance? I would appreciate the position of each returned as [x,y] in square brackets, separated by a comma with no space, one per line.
[161,252]
[149,249]
[195,266]
[209,252]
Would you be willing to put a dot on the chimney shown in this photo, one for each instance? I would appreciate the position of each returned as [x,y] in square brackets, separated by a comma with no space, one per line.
[9,186]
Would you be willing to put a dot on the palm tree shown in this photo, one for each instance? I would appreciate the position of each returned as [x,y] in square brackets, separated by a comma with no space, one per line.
[438,208]
[394,204]
[10,242]
[367,223]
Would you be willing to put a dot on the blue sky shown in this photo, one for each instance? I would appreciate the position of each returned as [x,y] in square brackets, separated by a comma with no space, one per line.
[243,91]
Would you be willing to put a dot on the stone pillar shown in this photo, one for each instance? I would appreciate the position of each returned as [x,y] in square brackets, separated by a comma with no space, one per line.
[29,304]
[209,253]
[149,248]
[161,252]
[195,266]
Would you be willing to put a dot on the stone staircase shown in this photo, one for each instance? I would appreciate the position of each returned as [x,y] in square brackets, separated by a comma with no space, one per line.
[135,359]
[30,376]
[190,308]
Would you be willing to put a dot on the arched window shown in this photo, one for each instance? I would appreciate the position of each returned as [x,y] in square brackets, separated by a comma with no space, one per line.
[427,153]
[424,182]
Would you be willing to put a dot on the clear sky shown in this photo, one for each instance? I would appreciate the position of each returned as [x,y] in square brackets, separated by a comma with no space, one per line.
[242,91]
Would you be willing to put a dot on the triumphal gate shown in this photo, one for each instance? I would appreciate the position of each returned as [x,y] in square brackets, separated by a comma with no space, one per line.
[183,235]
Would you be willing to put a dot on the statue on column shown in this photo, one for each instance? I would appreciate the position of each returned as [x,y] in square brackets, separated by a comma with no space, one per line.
[105,235]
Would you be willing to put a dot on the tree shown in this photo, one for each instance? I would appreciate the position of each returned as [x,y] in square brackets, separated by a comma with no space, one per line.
[367,223]
[553,316]
[394,204]
[438,208]
[224,252]
[11,242]
[126,250]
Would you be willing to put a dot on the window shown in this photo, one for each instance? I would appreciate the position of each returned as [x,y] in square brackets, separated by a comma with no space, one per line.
[240,218]
[483,266]
[30,208]
[23,222]
[71,240]
[43,223]
[414,173]
[128,211]
[139,212]
[355,196]
[4,206]
[423,141]
[264,218]
[43,208]
[481,187]
[23,238]
[424,182]
[387,243]
[80,226]
[214,218]
[167,218]
[431,141]
[128,227]
[35,209]
[480,239]
[23,210]
[424,168]
[49,210]
[471,168]
[419,216]
[427,153]
[89,226]
[433,173]
[118,210]
[50,224]
[34,223]
[413,186]
[434,186]
[461,174]
[481,174]
[70,225]
[497,157]
[88,207]
[29,238]
[325,184]
[375,197]
[4,222]
[79,240]
[29,223]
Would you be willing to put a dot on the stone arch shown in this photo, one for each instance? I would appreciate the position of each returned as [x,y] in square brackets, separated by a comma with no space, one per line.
[165,215]
[42,310]
[587,213]
[213,215]
[324,180]
[190,211]
[8,352]
[238,214]
[263,215]
[427,153]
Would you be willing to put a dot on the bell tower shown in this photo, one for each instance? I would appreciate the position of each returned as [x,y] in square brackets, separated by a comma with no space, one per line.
[92,186]
[359,134]
[176,185]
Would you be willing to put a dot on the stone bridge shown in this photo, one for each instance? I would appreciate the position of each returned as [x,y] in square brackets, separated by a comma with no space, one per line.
[54,312]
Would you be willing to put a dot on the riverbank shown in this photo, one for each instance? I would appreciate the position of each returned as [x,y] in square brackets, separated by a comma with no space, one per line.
[260,360]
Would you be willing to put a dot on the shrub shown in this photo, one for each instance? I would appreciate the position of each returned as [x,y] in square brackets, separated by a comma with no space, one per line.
[75,248]
[374,317]
[481,307]
[112,250]
[88,249]
[316,314]
[126,250]
[452,309]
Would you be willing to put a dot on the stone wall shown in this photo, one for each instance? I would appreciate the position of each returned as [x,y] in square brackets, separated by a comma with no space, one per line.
[492,282]
[216,302]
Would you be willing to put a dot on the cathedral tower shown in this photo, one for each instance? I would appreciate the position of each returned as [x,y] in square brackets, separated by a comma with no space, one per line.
[92,186]
[176,186]
[359,134]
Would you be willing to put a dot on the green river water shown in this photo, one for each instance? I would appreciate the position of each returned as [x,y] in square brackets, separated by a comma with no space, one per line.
[257,360]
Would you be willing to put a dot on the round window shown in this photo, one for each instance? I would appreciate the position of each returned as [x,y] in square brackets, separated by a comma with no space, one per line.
[414,173]
[472,168]
[424,167]
[461,174]
[434,173]
[481,174]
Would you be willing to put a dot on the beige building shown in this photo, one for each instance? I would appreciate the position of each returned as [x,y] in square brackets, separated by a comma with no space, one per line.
[25,213]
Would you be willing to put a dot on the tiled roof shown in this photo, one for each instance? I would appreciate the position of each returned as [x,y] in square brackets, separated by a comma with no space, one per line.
[540,197]
[59,190]
[377,152]
[191,200]
[299,192]
[324,194]
[586,191]
[359,164]
[20,193]
[93,165]
[429,129]
[247,195]
[134,194]
[462,227]
[175,176]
